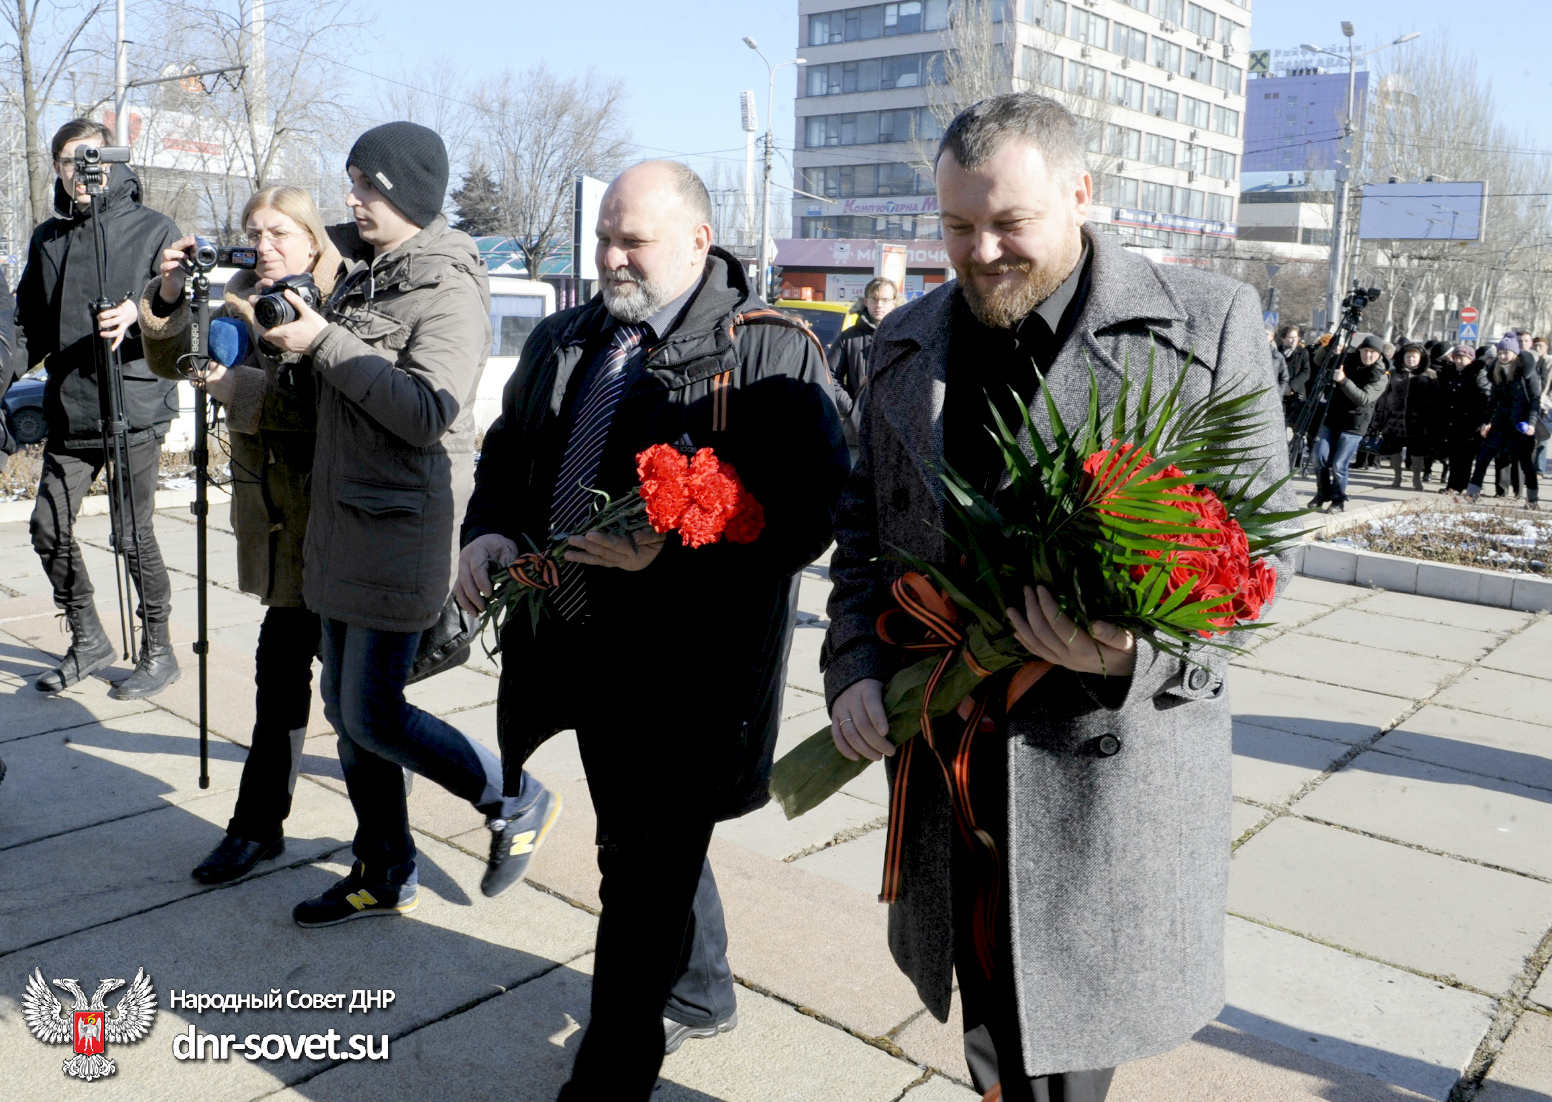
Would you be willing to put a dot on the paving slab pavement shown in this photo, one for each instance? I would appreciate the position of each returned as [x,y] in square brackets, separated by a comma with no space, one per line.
[1270,766]
[1368,628]
[1282,702]
[1507,749]
[1403,906]
[1341,1004]
[1526,654]
[1400,1028]
[1353,665]
[1523,1072]
[1432,610]
[1505,695]
[1496,822]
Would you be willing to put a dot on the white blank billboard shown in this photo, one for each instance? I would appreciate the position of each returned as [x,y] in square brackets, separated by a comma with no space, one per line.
[1450,211]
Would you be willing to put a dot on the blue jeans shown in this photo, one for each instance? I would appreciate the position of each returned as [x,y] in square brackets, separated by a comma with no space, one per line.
[381,735]
[1331,463]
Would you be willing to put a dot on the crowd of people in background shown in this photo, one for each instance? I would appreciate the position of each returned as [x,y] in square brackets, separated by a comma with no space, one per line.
[1420,405]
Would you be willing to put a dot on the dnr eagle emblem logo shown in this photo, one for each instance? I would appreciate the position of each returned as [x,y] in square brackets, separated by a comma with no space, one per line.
[89,1024]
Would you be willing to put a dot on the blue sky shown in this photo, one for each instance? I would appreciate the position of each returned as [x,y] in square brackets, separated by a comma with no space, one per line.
[684,64]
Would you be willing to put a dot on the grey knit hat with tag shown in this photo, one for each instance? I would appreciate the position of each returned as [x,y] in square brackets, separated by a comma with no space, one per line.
[407,162]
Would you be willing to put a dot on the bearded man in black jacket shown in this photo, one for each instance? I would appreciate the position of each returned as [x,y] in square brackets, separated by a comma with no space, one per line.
[53,305]
[668,662]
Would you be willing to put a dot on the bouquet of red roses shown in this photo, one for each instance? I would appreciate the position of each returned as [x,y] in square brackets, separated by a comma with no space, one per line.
[699,496]
[1147,522]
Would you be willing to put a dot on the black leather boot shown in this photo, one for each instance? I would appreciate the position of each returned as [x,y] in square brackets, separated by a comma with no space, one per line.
[157,668]
[90,650]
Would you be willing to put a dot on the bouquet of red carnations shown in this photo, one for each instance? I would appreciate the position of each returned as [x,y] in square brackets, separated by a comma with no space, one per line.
[697,495]
[1148,523]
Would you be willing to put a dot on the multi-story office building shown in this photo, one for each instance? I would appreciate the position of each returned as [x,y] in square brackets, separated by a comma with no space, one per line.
[1162,81]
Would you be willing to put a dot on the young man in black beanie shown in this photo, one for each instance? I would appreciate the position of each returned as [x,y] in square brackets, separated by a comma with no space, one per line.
[397,352]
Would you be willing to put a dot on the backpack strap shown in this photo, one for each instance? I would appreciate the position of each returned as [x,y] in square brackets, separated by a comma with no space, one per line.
[722,384]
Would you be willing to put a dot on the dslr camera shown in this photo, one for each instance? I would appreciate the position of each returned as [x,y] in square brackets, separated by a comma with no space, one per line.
[205,255]
[271,308]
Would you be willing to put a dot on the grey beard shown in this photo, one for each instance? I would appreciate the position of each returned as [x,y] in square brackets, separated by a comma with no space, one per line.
[633,303]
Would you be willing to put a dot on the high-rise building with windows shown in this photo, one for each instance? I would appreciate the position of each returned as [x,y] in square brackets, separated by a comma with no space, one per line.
[1162,81]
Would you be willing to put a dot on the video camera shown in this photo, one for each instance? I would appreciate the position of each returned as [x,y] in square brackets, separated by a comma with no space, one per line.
[86,156]
[1357,301]
[205,255]
[91,164]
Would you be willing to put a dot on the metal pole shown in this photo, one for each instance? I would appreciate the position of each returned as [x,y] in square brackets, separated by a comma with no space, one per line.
[120,83]
[765,191]
[1334,282]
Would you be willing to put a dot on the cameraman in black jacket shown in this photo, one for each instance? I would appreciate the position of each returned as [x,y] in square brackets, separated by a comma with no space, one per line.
[54,301]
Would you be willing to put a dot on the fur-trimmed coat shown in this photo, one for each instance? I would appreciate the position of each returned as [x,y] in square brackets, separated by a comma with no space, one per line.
[1117,863]
[272,422]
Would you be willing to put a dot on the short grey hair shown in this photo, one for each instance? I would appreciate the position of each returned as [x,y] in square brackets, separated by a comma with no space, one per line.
[979,132]
[690,188]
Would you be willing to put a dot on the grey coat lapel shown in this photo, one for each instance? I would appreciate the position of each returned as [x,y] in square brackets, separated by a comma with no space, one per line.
[1123,290]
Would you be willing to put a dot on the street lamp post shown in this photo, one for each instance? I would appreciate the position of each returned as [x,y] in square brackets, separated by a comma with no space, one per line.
[765,192]
[1339,198]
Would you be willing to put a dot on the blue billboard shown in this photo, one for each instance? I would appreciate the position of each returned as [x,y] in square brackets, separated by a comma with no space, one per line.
[1294,123]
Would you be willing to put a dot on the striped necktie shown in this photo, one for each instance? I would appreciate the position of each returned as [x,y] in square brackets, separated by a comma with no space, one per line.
[573,500]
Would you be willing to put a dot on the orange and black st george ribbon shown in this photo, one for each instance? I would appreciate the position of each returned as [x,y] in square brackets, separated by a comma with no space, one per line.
[930,624]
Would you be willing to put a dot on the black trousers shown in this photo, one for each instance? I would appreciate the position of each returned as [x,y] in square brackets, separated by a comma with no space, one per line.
[67,475]
[1462,456]
[283,677]
[993,1049]
[653,878]
[1518,455]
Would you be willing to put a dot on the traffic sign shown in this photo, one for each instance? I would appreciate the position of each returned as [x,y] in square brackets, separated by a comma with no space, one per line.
[1468,332]
[1468,315]
[1269,317]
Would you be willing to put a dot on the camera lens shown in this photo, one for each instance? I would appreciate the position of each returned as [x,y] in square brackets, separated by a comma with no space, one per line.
[272,310]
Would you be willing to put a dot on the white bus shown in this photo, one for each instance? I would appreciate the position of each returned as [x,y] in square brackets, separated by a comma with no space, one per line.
[516,305]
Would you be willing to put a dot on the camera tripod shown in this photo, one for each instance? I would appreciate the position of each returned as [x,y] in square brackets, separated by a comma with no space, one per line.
[123,521]
[196,365]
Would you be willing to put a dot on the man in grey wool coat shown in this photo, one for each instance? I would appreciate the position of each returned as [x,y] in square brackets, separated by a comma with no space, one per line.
[1106,788]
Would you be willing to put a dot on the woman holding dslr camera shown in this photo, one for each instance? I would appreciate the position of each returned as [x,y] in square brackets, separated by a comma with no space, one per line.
[271,414]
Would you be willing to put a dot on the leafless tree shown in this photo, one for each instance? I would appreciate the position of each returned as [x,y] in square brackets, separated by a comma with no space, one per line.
[46,40]
[730,221]
[539,131]
[433,95]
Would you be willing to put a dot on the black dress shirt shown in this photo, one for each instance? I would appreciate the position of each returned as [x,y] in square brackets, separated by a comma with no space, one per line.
[986,363]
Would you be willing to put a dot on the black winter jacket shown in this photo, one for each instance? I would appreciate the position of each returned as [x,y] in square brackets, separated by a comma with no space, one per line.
[1299,362]
[1408,412]
[1353,399]
[697,642]
[1462,401]
[849,355]
[1514,396]
[53,305]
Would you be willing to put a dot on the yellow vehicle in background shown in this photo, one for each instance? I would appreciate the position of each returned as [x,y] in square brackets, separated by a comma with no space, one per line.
[828,320]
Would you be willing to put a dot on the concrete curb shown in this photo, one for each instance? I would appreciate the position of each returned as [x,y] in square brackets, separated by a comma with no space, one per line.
[1468,584]
[94,506]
